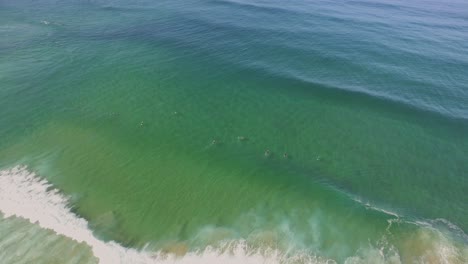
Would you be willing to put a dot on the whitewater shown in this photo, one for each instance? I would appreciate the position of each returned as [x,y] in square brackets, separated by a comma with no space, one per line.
[24,194]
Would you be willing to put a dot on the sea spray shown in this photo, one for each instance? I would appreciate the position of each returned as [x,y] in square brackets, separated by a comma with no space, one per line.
[25,195]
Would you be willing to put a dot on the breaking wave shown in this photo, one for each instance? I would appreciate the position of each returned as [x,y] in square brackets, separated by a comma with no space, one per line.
[25,195]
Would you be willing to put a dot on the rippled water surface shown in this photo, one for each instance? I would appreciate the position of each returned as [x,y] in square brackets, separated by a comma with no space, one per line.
[242,131]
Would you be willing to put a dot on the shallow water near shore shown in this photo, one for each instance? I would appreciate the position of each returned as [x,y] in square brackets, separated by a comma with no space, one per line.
[234,132]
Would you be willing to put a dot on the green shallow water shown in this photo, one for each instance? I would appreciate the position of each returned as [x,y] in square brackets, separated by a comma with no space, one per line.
[75,89]
[36,241]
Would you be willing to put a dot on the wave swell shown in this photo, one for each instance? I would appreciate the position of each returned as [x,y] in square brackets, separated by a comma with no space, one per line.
[24,194]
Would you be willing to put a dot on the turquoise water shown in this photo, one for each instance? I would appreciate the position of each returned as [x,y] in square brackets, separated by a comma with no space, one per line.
[336,130]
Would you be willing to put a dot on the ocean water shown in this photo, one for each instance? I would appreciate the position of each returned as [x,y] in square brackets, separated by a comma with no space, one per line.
[234,131]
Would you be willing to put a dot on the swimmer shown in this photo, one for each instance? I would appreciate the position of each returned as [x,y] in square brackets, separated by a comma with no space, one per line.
[241,138]
[267,153]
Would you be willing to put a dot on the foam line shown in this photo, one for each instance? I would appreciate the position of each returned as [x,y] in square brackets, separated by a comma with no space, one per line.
[24,194]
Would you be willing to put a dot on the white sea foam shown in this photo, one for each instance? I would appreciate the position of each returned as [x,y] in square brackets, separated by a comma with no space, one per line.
[25,195]
[371,207]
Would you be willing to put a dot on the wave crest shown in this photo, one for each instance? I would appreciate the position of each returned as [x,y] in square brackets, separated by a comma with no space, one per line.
[25,195]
